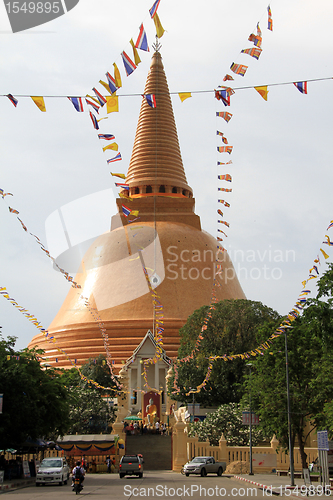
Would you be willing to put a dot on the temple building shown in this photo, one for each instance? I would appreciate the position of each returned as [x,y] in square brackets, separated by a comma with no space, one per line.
[165,239]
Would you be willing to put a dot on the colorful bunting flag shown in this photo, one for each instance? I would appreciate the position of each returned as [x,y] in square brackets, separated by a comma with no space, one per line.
[262,91]
[224,96]
[112,104]
[227,77]
[141,42]
[159,28]
[150,98]
[12,99]
[225,115]
[224,222]
[224,139]
[126,210]
[225,177]
[220,212]
[153,9]
[330,225]
[92,104]
[223,163]
[111,83]
[128,63]
[239,69]
[122,186]
[270,20]
[122,176]
[253,52]
[184,95]
[136,56]
[101,99]
[106,86]
[13,211]
[117,77]
[225,149]
[256,39]
[225,190]
[302,87]
[94,120]
[328,242]
[116,158]
[113,146]
[107,137]
[39,101]
[77,103]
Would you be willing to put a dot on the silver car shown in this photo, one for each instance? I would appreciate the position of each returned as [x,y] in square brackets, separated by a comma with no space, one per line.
[53,470]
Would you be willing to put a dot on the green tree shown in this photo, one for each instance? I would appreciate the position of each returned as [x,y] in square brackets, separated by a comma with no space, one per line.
[89,408]
[227,419]
[310,361]
[34,399]
[232,329]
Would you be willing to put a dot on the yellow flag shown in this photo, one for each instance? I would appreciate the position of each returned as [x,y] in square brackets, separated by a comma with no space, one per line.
[262,91]
[134,212]
[184,95]
[112,104]
[137,59]
[117,76]
[122,176]
[113,146]
[39,101]
[105,85]
[324,253]
[93,98]
[158,26]
[128,198]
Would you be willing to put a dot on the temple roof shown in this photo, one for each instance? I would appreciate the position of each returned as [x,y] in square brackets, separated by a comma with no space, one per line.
[156,159]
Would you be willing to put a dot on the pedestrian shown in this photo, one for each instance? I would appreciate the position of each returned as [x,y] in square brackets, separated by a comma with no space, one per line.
[108,464]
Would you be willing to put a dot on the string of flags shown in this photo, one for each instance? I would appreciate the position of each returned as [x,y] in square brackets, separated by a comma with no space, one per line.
[223,94]
[260,350]
[93,311]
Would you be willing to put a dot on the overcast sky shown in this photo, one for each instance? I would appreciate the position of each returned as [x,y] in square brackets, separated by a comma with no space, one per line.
[281,202]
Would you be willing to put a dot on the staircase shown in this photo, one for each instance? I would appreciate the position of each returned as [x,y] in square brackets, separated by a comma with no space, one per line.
[155,449]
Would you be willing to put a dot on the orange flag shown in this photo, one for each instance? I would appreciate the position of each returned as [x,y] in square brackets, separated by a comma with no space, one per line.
[262,91]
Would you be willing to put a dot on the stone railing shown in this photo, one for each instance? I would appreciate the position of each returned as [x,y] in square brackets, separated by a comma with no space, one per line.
[264,458]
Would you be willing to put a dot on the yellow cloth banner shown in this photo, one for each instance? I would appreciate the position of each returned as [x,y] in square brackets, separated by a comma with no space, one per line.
[134,212]
[113,146]
[262,91]
[39,101]
[158,26]
[137,59]
[112,104]
[122,176]
[117,76]
[184,95]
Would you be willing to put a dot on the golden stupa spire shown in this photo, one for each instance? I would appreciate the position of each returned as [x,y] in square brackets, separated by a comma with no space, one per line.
[156,164]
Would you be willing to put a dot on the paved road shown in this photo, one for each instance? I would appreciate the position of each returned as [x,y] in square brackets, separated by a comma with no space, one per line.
[168,485]
[154,484]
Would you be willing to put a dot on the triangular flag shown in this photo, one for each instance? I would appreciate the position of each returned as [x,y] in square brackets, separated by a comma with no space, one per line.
[12,99]
[141,42]
[122,176]
[136,56]
[324,253]
[39,101]
[184,95]
[262,91]
[159,28]
[128,63]
[117,76]
[112,104]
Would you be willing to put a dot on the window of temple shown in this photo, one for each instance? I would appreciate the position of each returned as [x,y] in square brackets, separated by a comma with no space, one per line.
[134,398]
[149,189]
[184,192]
[162,189]
[174,190]
[136,190]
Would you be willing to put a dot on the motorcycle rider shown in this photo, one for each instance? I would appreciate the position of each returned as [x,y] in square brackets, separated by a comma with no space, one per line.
[78,471]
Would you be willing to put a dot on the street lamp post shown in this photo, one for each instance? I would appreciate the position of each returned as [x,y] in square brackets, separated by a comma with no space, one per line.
[251,465]
[291,455]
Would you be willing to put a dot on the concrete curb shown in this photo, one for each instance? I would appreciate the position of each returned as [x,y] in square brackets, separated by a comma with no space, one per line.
[17,484]
[264,486]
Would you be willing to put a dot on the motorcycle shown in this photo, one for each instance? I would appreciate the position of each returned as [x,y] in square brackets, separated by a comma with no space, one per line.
[77,486]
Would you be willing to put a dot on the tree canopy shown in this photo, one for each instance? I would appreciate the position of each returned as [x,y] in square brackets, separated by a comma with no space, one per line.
[232,329]
[227,419]
[34,399]
[310,361]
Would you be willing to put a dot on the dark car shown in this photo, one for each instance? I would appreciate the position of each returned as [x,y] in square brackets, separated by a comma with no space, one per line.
[131,465]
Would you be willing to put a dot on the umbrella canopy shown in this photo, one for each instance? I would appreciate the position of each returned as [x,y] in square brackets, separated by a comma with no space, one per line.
[133,417]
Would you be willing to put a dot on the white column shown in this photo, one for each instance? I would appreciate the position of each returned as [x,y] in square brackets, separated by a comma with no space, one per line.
[157,376]
[138,378]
